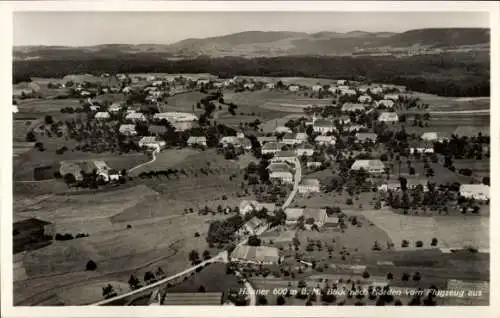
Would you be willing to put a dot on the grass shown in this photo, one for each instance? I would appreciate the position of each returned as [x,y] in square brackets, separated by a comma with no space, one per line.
[165,160]
[184,102]
[46,106]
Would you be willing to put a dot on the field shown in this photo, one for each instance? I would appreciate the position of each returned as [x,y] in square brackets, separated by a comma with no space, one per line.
[165,160]
[39,107]
[183,102]
[164,241]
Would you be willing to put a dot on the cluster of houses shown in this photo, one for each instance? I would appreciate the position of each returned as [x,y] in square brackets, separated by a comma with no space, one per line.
[77,168]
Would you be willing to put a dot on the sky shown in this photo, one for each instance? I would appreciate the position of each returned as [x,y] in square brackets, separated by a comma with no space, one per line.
[91,28]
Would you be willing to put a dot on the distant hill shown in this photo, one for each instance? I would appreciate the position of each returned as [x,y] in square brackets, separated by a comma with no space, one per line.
[272,43]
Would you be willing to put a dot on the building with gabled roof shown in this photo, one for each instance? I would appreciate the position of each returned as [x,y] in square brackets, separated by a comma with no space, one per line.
[135,117]
[325,140]
[363,137]
[365,99]
[394,97]
[480,192]
[272,147]
[421,147]
[324,126]
[102,115]
[388,117]
[197,140]
[385,103]
[127,130]
[284,156]
[352,107]
[304,149]
[370,166]
[152,142]
[308,185]
[255,255]
[265,139]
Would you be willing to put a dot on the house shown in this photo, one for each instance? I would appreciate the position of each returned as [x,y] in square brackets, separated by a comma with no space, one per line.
[102,116]
[480,192]
[279,167]
[157,83]
[344,120]
[388,117]
[376,90]
[127,130]
[197,140]
[370,166]
[272,147]
[347,92]
[352,107]
[265,139]
[421,147]
[193,299]
[313,164]
[270,85]
[324,126]
[385,103]
[324,140]
[249,86]
[293,215]
[202,82]
[114,108]
[317,88]
[319,216]
[394,97]
[74,169]
[245,143]
[291,139]
[157,130]
[301,136]
[293,88]
[254,226]
[433,136]
[332,90]
[354,127]
[365,99]
[281,176]
[410,184]
[94,108]
[308,185]
[304,149]
[332,222]
[31,231]
[282,129]
[247,206]
[135,117]
[341,82]
[284,156]
[263,255]
[363,137]
[152,142]
[229,140]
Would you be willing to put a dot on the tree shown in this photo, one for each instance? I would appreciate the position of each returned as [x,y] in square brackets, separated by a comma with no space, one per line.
[206,255]
[280,301]
[434,241]
[262,300]
[194,256]
[417,276]
[133,282]
[30,136]
[366,274]
[69,179]
[308,303]
[149,277]
[419,244]
[49,120]
[91,266]
[201,289]
[254,241]
[398,302]
[108,291]
[405,277]
[390,276]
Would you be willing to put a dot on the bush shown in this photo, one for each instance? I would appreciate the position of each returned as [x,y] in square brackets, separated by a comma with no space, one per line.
[91,266]
[405,277]
[434,241]
[280,301]
[405,243]
[419,244]
[417,276]
[196,234]
[366,274]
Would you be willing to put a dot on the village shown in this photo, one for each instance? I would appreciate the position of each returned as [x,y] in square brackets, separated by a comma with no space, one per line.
[351,189]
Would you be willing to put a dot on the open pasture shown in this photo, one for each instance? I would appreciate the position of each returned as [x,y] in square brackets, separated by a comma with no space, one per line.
[38,107]
[183,102]
[165,159]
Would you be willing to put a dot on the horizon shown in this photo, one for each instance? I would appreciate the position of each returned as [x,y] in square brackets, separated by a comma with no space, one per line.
[151,28]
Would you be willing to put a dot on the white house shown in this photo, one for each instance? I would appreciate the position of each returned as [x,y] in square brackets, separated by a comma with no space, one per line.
[394,97]
[291,139]
[282,129]
[309,185]
[152,142]
[94,107]
[421,147]
[479,192]
[388,117]
[365,99]
[313,164]
[282,176]
[362,137]
[247,206]
[127,130]
[197,140]
[304,149]
[293,88]
[433,136]
[344,120]
[272,147]
[341,82]
[263,255]
[348,92]
[354,127]
[317,88]
[229,140]
[135,117]
[102,115]
[376,90]
[370,166]
[249,86]
[270,85]
[324,140]
[385,103]
[266,139]
[324,126]
[301,136]
[352,107]
[284,156]
[114,108]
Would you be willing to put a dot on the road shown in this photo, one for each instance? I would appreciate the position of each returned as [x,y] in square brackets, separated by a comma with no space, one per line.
[296,181]
[146,163]
[221,256]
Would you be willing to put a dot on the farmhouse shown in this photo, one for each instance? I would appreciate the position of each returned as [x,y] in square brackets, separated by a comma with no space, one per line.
[249,86]
[370,166]
[332,222]
[421,147]
[102,115]
[157,130]
[480,192]
[433,136]
[394,97]
[31,231]
[341,82]
[127,130]
[254,226]
[135,117]
[309,185]
[282,129]
[319,216]
[344,120]
[270,85]
[281,176]
[304,149]
[114,108]
[301,136]
[173,117]
[284,156]
[376,90]
[385,103]
[365,99]
[197,140]
[247,206]
[410,184]
[152,142]
[291,139]
[265,139]
[348,92]
[272,147]
[193,299]
[293,88]
[354,127]
[351,107]
[264,255]
[74,168]
[363,137]
[279,167]
[229,140]
[317,88]
[324,140]
[388,117]
[324,126]
[313,164]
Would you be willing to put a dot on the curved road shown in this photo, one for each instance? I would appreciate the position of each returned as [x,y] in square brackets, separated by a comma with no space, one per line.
[145,163]
[224,256]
